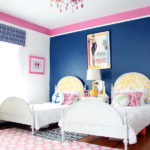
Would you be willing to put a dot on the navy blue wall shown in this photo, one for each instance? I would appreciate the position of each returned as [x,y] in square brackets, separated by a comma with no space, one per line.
[130,52]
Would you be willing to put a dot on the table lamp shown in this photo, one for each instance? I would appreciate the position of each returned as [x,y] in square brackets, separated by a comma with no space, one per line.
[93,74]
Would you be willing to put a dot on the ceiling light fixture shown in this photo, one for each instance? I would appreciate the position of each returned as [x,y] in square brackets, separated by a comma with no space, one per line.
[67,4]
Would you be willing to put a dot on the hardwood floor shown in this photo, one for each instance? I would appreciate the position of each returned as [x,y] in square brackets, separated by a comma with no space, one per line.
[142,144]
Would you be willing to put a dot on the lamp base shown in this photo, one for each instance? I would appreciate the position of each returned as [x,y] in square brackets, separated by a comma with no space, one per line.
[94,92]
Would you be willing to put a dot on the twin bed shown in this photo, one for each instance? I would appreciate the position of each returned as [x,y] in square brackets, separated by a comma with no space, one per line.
[18,110]
[94,117]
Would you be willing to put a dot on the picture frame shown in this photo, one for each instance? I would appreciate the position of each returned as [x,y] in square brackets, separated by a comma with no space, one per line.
[98,50]
[86,93]
[36,65]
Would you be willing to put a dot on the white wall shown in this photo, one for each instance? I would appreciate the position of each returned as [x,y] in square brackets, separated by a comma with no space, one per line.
[34,87]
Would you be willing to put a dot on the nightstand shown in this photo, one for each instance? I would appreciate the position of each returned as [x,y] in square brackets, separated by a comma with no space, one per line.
[102,97]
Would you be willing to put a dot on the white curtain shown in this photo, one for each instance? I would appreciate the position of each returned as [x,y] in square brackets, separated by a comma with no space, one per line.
[10,70]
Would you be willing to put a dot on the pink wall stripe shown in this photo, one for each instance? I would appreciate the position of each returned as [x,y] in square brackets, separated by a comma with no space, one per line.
[78,26]
[101,21]
[10,19]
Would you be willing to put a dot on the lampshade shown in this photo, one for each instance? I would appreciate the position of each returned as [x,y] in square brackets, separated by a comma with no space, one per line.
[93,74]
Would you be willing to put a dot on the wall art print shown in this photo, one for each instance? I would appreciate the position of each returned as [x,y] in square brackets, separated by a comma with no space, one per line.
[36,65]
[98,49]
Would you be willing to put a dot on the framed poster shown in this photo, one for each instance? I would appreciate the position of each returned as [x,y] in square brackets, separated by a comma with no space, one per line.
[98,49]
[36,65]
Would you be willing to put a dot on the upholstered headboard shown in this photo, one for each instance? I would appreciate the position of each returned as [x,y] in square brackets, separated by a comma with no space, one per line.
[70,83]
[133,80]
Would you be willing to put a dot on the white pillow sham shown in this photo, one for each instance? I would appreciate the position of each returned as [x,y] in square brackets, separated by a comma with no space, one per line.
[121,100]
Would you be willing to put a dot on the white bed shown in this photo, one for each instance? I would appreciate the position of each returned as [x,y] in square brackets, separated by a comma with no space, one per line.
[18,110]
[98,118]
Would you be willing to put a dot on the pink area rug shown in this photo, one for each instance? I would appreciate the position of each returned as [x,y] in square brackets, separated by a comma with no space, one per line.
[19,139]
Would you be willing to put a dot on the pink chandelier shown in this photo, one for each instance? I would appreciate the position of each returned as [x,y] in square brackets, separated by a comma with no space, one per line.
[67,4]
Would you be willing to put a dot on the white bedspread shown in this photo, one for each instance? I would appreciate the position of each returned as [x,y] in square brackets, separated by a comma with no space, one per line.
[137,119]
[47,113]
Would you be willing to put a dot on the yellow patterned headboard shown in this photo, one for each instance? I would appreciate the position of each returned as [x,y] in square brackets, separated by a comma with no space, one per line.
[70,83]
[133,80]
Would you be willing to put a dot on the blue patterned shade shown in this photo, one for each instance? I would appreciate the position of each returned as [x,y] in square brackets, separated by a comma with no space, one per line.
[12,35]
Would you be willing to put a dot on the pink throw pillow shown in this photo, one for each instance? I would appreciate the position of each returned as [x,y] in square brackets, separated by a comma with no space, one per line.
[69,98]
[135,100]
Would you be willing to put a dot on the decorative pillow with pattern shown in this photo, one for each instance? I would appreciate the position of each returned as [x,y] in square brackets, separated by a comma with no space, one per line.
[57,98]
[121,100]
[135,99]
[70,97]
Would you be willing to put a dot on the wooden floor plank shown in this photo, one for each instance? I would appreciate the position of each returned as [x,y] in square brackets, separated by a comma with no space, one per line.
[143,142]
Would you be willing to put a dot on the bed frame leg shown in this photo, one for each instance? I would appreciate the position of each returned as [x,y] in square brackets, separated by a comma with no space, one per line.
[33,121]
[125,144]
[125,141]
[62,135]
[32,130]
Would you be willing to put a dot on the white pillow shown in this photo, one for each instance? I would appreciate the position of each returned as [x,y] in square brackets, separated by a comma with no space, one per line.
[121,100]
[57,98]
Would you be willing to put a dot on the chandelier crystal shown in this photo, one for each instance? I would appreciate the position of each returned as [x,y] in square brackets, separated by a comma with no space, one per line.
[67,4]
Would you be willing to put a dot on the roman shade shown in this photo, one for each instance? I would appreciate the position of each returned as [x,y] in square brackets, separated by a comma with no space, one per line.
[12,35]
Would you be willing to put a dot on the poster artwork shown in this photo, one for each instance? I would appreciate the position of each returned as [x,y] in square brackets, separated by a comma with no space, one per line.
[98,50]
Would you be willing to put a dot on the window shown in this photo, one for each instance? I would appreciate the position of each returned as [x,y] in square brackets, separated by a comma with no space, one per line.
[10,70]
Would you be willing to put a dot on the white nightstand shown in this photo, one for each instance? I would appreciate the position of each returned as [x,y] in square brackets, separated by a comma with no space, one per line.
[102,97]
